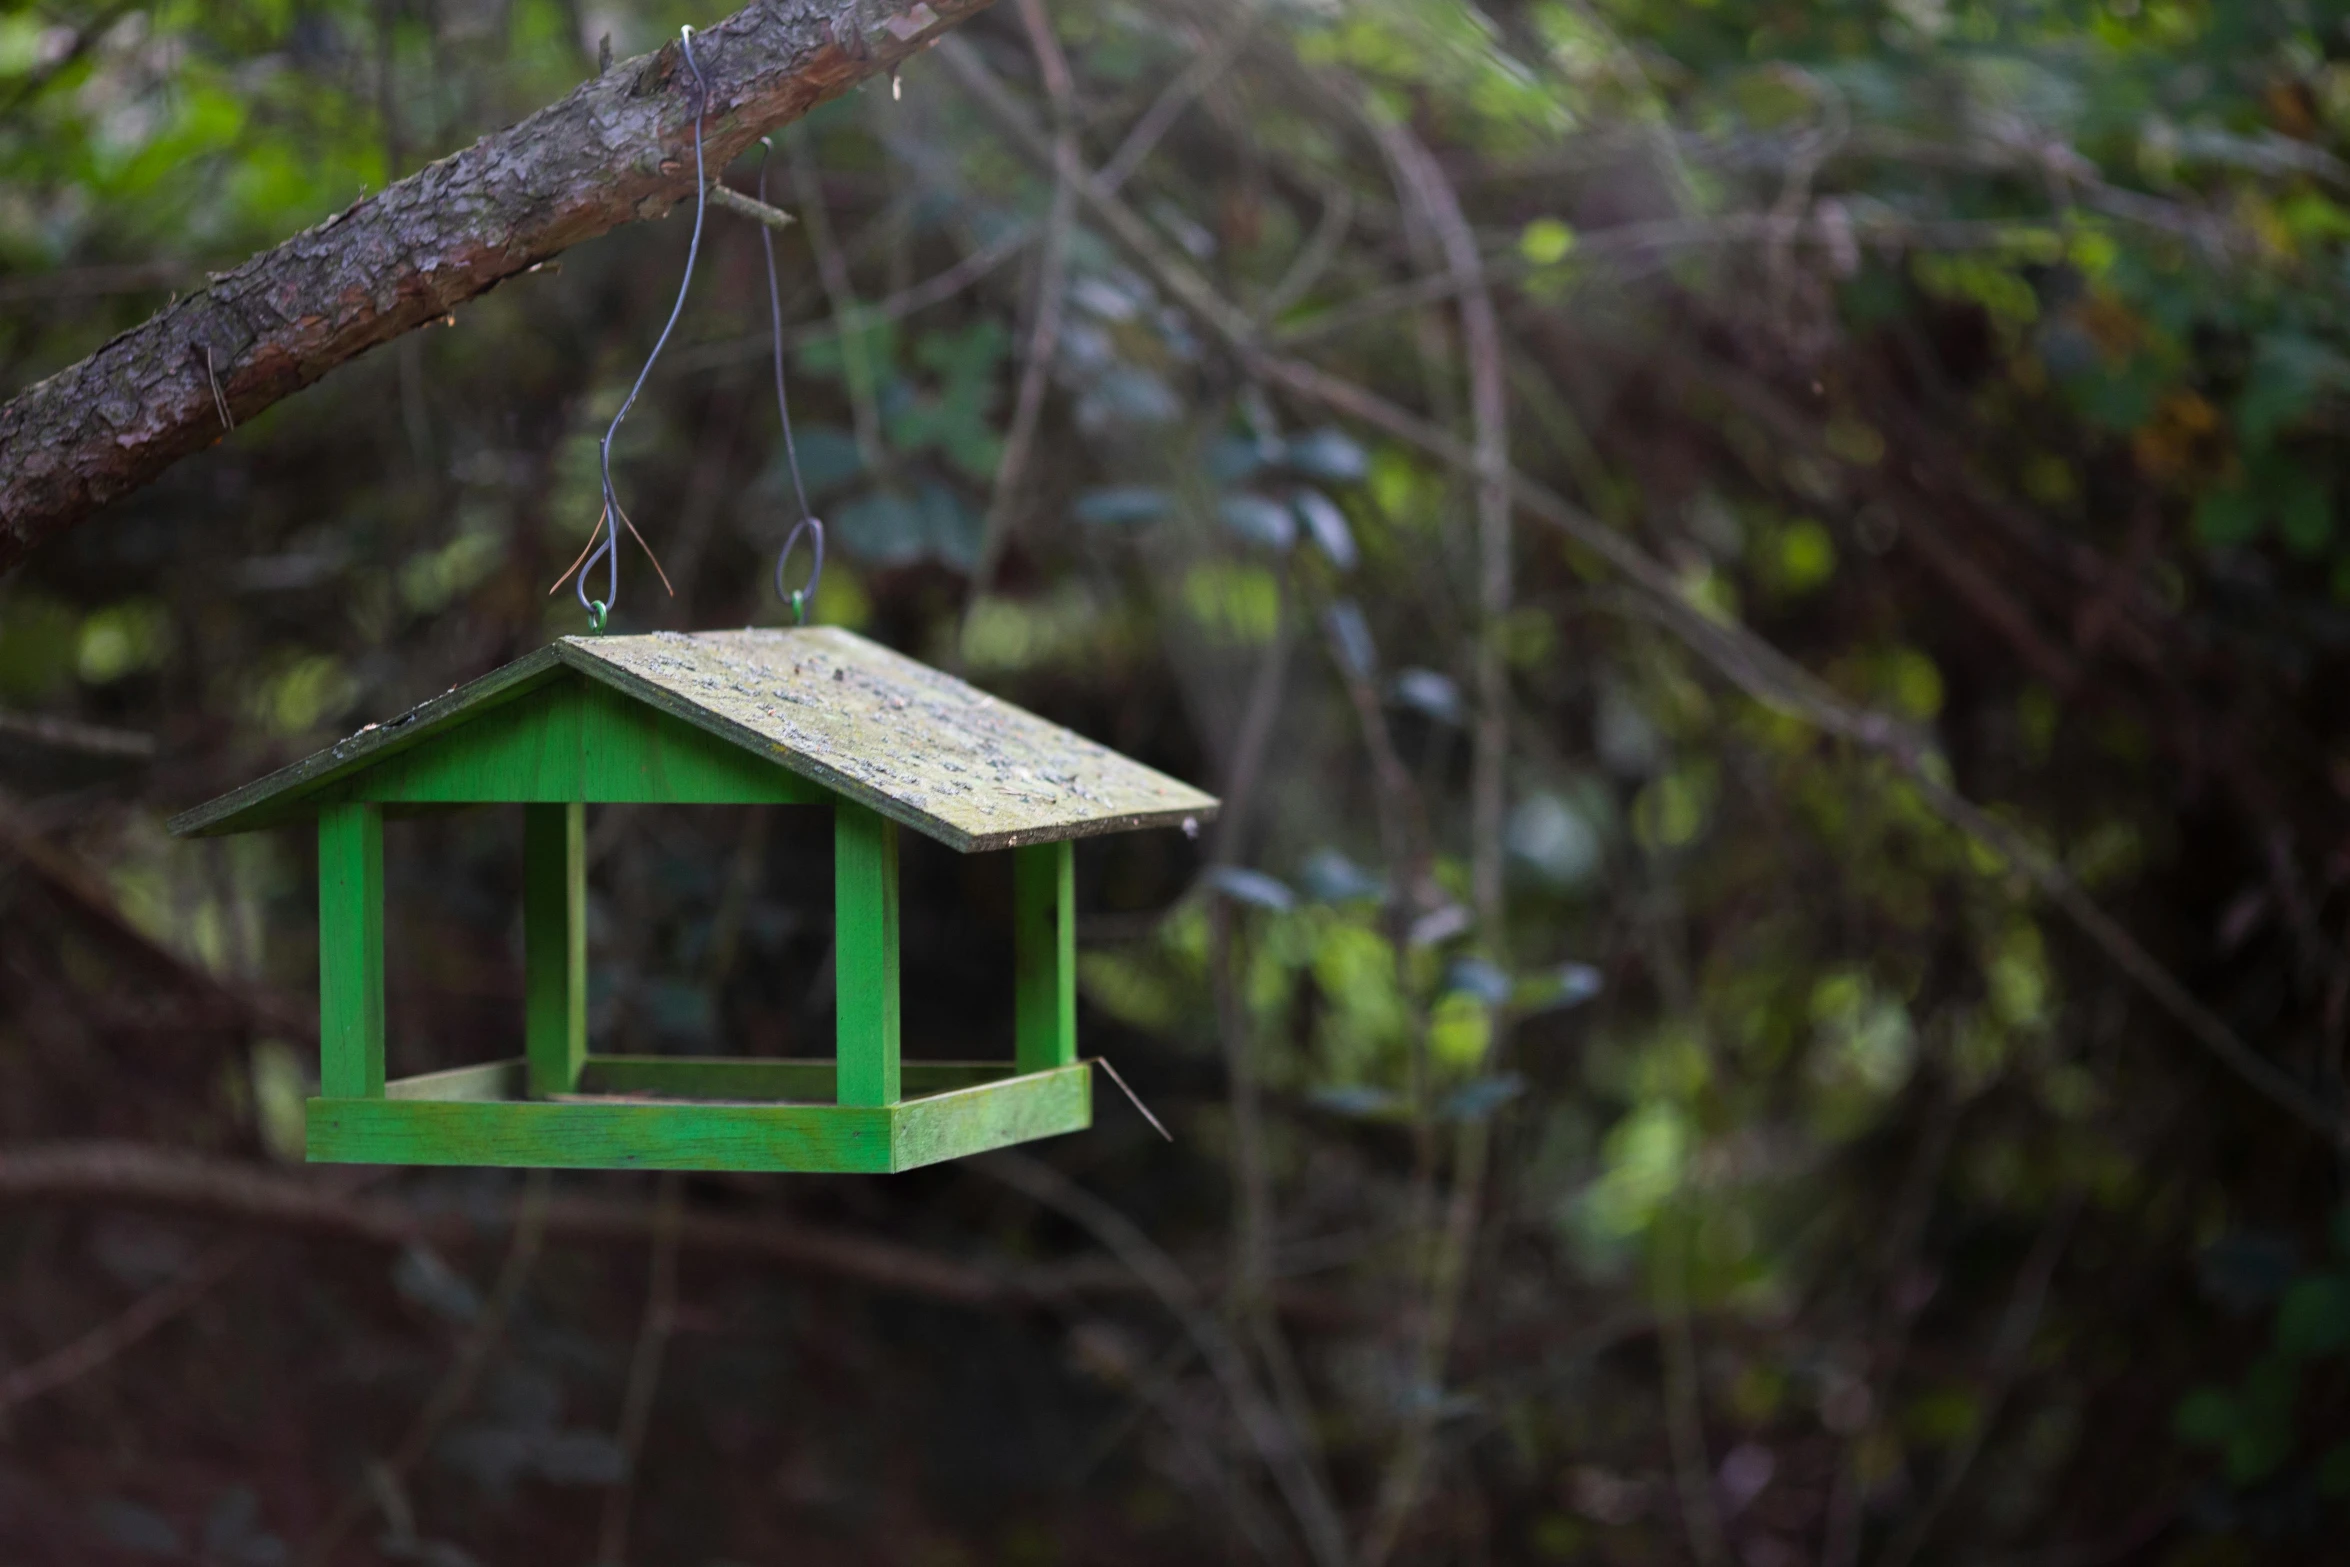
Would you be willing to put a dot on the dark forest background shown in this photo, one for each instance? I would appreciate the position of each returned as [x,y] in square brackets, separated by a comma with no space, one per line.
[1763,583]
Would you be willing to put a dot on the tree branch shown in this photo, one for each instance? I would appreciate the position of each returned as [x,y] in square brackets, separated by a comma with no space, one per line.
[1044,330]
[116,1335]
[620,148]
[169,1180]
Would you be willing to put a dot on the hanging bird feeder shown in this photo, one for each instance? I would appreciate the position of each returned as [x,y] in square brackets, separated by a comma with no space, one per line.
[815,717]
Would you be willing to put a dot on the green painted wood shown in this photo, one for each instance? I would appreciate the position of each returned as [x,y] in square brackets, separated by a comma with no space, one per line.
[818,704]
[993,1115]
[289,794]
[554,945]
[351,952]
[1044,955]
[798,1080]
[612,1135]
[578,739]
[457,1126]
[865,953]
[492,1080]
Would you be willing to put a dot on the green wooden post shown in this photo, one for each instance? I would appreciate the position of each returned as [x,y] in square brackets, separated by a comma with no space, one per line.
[554,945]
[1044,955]
[351,952]
[865,953]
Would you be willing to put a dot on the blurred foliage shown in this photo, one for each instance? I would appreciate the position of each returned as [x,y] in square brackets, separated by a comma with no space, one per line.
[1825,1196]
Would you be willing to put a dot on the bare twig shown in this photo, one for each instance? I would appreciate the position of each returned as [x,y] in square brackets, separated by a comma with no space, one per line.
[110,1339]
[64,734]
[1896,1319]
[2009,1352]
[1684,1412]
[127,277]
[85,38]
[742,206]
[1321,248]
[172,1181]
[858,372]
[1168,107]
[1044,330]
[1630,250]
[1403,823]
[644,1368]
[1254,1221]
[1427,189]
[936,289]
[455,1389]
[1276,1446]
[1254,741]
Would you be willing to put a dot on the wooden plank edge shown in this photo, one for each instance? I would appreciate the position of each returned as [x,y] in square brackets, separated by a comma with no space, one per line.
[275,799]
[974,1120]
[600,1135]
[579,653]
[487,1082]
[630,1074]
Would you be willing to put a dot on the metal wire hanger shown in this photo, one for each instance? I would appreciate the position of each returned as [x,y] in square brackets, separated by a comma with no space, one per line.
[799,598]
[604,540]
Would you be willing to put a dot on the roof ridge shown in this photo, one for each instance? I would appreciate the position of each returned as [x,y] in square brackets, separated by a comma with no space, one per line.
[937,753]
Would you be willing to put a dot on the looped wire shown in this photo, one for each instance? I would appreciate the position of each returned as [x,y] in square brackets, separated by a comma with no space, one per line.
[800,597]
[606,548]
[809,522]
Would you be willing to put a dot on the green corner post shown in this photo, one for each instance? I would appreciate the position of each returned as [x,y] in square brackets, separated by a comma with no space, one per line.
[554,945]
[865,953]
[351,952]
[1044,955]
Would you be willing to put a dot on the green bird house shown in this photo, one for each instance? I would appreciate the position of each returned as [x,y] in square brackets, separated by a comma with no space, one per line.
[815,717]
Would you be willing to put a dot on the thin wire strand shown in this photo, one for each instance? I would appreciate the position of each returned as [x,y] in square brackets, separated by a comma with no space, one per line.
[1157,1125]
[809,523]
[608,551]
[791,455]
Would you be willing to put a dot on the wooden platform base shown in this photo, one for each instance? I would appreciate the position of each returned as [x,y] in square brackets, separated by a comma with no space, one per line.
[700,1113]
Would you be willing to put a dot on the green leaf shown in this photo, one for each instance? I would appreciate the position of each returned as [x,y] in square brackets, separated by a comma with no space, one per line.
[2205,1418]
[2289,373]
[1359,1101]
[1480,1097]
[2314,1318]
[2122,398]
[1546,241]
[2333,1472]
[1122,504]
[1260,521]
[1330,456]
[2304,511]
[2257,1450]
[828,459]
[2227,517]
[892,528]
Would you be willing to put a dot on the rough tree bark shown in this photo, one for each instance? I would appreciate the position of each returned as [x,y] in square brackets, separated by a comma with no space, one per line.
[618,149]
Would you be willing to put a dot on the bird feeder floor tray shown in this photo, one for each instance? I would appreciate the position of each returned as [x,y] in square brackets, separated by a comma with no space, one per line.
[700,1113]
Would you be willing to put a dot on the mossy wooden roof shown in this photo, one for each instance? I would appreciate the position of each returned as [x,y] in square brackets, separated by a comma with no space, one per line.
[818,703]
